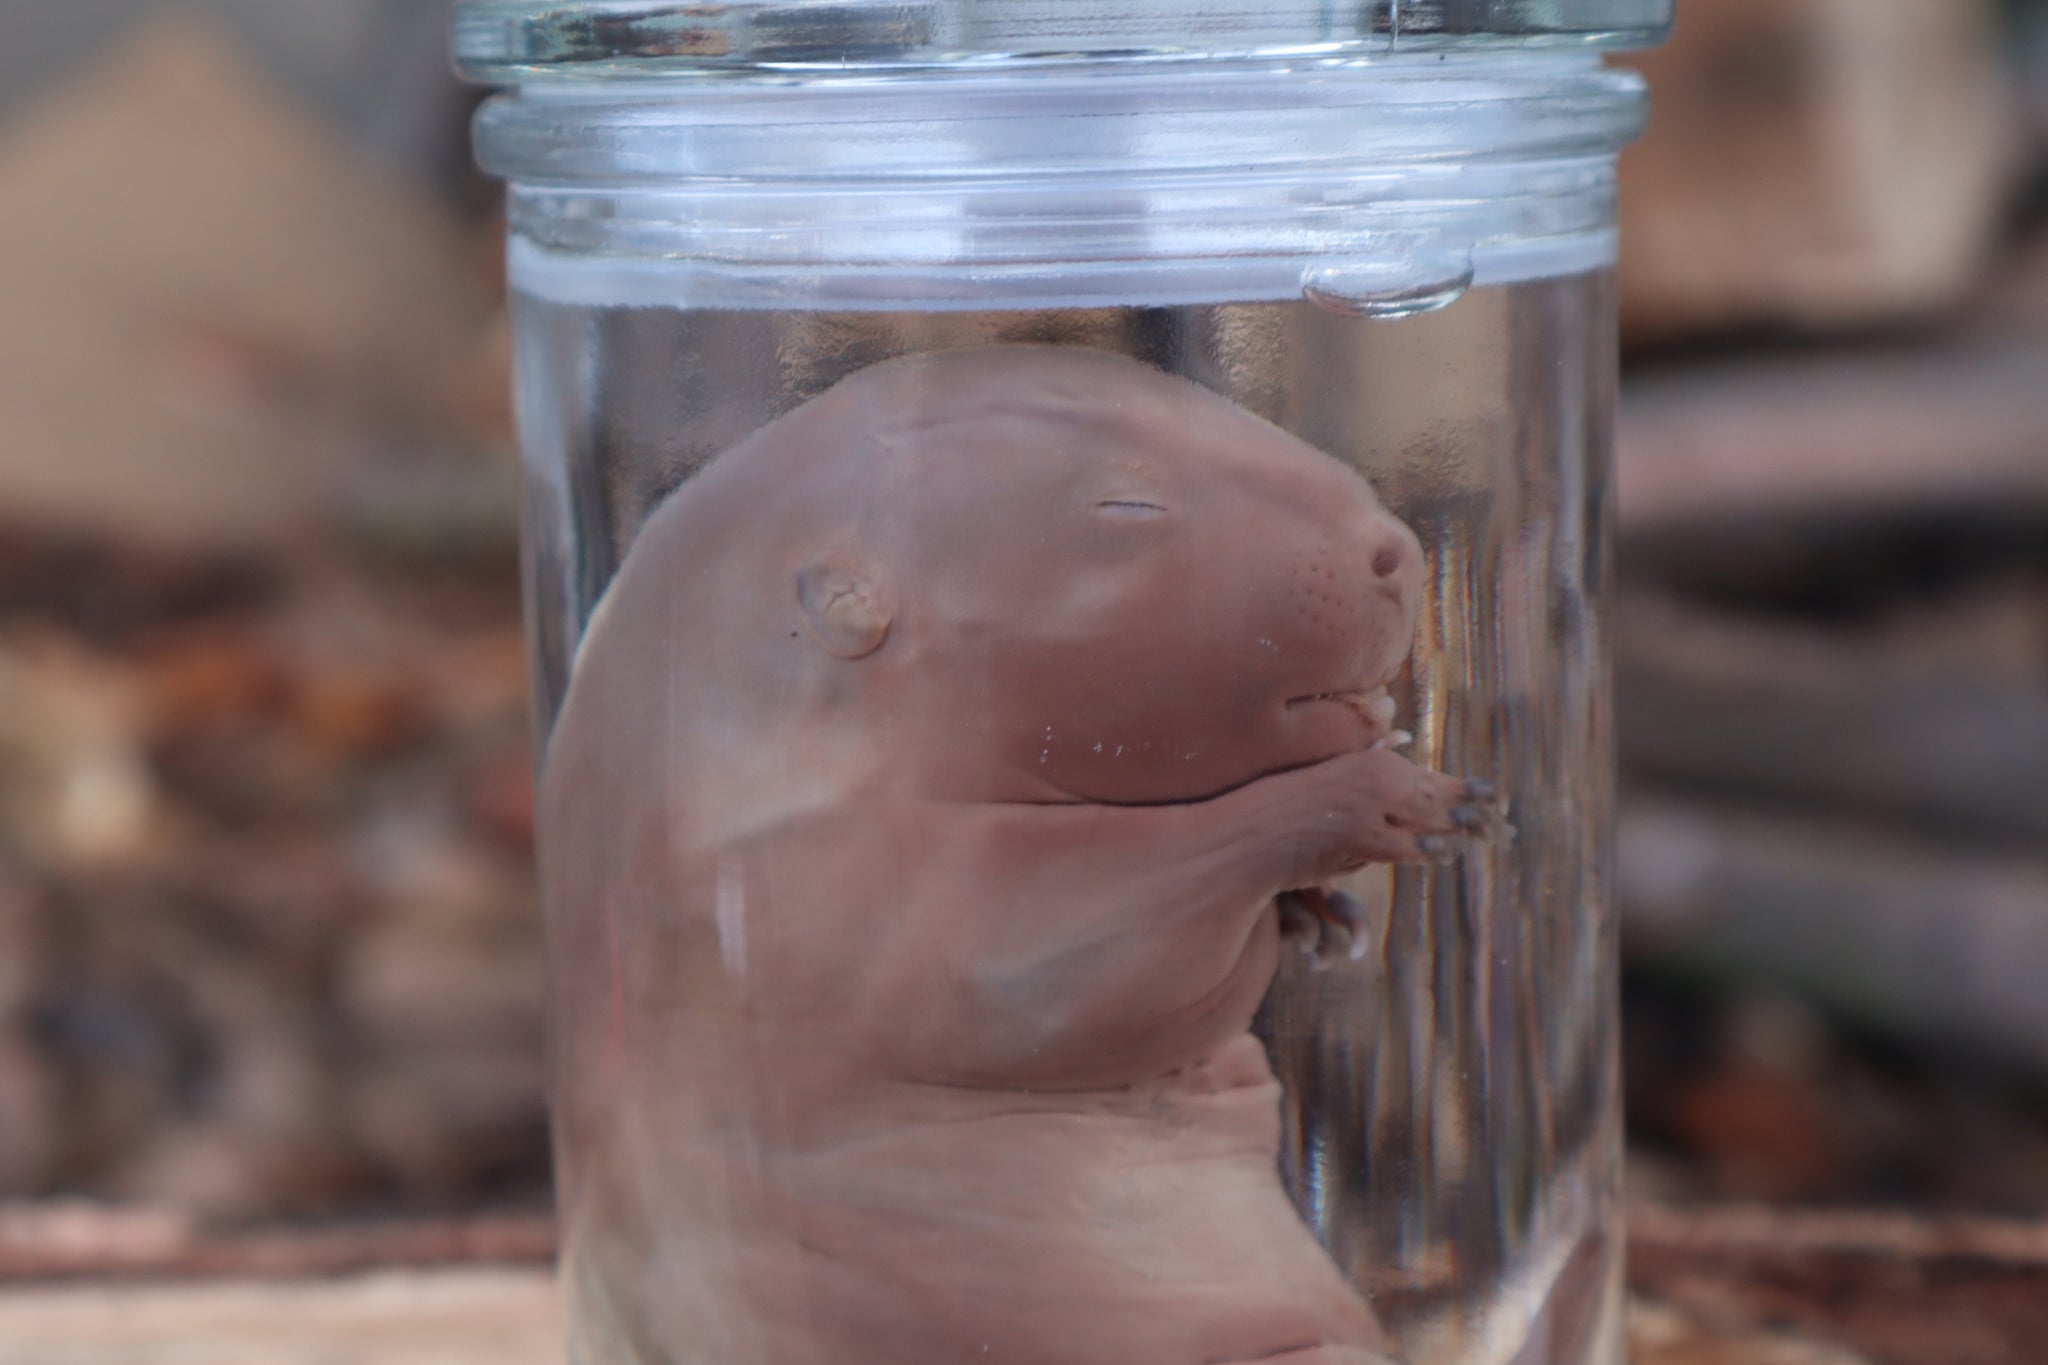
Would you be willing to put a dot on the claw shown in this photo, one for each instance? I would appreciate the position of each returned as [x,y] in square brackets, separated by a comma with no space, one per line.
[1479,789]
[1438,849]
[1337,946]
[1347,910]
[1333,939]
[1350,912]
[1470,818]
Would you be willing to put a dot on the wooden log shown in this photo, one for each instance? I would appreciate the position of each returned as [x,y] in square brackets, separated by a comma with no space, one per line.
[1873,432]
[1933,941]
[1815,164]
[213,380]
[1934,724]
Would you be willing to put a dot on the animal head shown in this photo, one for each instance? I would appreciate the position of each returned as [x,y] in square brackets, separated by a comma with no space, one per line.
[1053,573]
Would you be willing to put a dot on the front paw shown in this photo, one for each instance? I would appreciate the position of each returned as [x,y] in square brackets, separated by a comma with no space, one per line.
[1443,816]
[1459,813]
[1377,807]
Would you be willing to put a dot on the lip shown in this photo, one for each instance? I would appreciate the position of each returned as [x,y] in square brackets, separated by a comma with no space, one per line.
[1372,705]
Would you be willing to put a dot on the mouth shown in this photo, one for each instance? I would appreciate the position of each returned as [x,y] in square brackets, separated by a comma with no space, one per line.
[1373,706]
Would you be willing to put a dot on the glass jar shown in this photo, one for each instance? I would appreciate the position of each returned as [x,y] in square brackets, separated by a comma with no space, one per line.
[1066,557]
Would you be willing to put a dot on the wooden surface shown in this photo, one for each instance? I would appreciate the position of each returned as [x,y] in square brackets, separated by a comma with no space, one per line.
[446,1317]
[1713,1287]
[509,1317]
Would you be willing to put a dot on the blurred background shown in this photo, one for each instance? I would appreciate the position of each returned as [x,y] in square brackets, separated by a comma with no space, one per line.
[268,941]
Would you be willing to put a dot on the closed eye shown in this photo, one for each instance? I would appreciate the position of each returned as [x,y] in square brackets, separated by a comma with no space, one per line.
[1128,505]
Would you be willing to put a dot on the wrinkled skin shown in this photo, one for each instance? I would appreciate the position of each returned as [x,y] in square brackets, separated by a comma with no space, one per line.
[915,832]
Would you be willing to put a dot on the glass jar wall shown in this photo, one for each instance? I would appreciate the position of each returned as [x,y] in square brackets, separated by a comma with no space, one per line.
[1067,602]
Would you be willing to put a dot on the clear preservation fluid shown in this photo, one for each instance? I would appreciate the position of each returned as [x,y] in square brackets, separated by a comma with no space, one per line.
[1450,1111]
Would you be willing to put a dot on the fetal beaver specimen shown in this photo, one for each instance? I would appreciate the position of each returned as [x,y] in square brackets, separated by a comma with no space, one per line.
[918,833]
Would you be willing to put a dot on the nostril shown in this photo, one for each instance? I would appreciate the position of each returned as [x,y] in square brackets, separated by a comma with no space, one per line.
[1386,563]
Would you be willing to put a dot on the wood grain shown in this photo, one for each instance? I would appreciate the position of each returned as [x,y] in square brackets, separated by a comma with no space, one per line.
[1714,1286]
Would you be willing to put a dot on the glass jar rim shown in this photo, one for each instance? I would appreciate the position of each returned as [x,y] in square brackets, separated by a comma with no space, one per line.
[518,41]
[1219,182]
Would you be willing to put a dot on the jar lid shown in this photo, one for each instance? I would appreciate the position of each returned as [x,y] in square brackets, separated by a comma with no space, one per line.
[510,41]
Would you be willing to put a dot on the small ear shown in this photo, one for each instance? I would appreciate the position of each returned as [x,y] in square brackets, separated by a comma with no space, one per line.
[845,611]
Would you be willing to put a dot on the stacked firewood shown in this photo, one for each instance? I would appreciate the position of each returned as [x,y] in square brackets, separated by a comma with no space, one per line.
[1833,647]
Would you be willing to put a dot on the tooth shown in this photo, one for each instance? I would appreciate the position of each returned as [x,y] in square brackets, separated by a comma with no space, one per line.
[1382,708]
